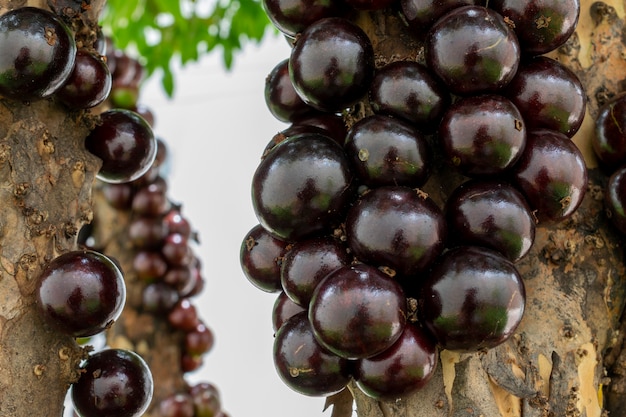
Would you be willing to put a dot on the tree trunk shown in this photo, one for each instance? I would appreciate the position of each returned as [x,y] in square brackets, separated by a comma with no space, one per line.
[566,358]
[46,177]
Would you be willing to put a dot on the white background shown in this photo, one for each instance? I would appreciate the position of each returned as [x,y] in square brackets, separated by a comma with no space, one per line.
[217,126]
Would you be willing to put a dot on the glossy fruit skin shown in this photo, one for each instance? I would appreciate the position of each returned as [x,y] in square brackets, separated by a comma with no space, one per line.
[357,311]
[259,257]
[292,17]
[615,199]
[541,25]
[280,97]
[81,292]
[473,50]
[396,227]
[401,370]
[88,85]
[283,309]
[206,399]
[609,141]
[388,151]
[408,90]
[473,299]
[303,364]
[482,135]
[115,383]
[38,53]
[420,15]
[302,187]
[552,175]
[549,95]
[307,263]
[125,143]
[331,64]
[493,214]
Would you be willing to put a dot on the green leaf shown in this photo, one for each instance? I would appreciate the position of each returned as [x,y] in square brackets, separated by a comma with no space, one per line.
[162,32]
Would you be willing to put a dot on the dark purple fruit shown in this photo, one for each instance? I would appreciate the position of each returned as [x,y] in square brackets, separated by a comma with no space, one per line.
[81,292]
[88,85]
[396,227]
[199,341]
[549,96]
[552,175]
[493,214]
[281,98]
[260,257]
[369,4]
[307,263]
[177,405]
[114,383]
[331,64]
[473,299]
[293,16]
[473,50]
[38,53]
[482,135]
[357,311]
[206,399]
[302,187]
[615,199]
[609,141]
[541,25]
[283,309]
[387,151]
[303,364]
[400,370]
[421,14]
[125,143]
[408,90]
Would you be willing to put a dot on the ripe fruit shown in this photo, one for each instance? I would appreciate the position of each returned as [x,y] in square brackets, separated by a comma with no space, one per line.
[125,143]
[292,17]
[421,14]
[114,383]
[615,199]
[302,186]
[303,364]
[280,96]
[609,141]
[357,311]
[552,175]
[331,64]
[400,370]
[260,255]
[408,90]
[548,95]
[473,299]
[541,25]
[473,50]
[88,85]
[81,292]
[307,263]
[396,227]
[387,151]
[482,135]
[38,53]
[493,214]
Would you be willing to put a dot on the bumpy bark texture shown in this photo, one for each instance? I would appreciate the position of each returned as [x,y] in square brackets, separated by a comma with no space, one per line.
[45,197]
[566,358]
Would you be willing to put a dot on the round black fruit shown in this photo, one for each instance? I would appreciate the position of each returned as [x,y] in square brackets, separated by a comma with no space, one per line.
[81,292]
[38,53]
[302,186]
[125,143]
[473,299]
[114,383]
